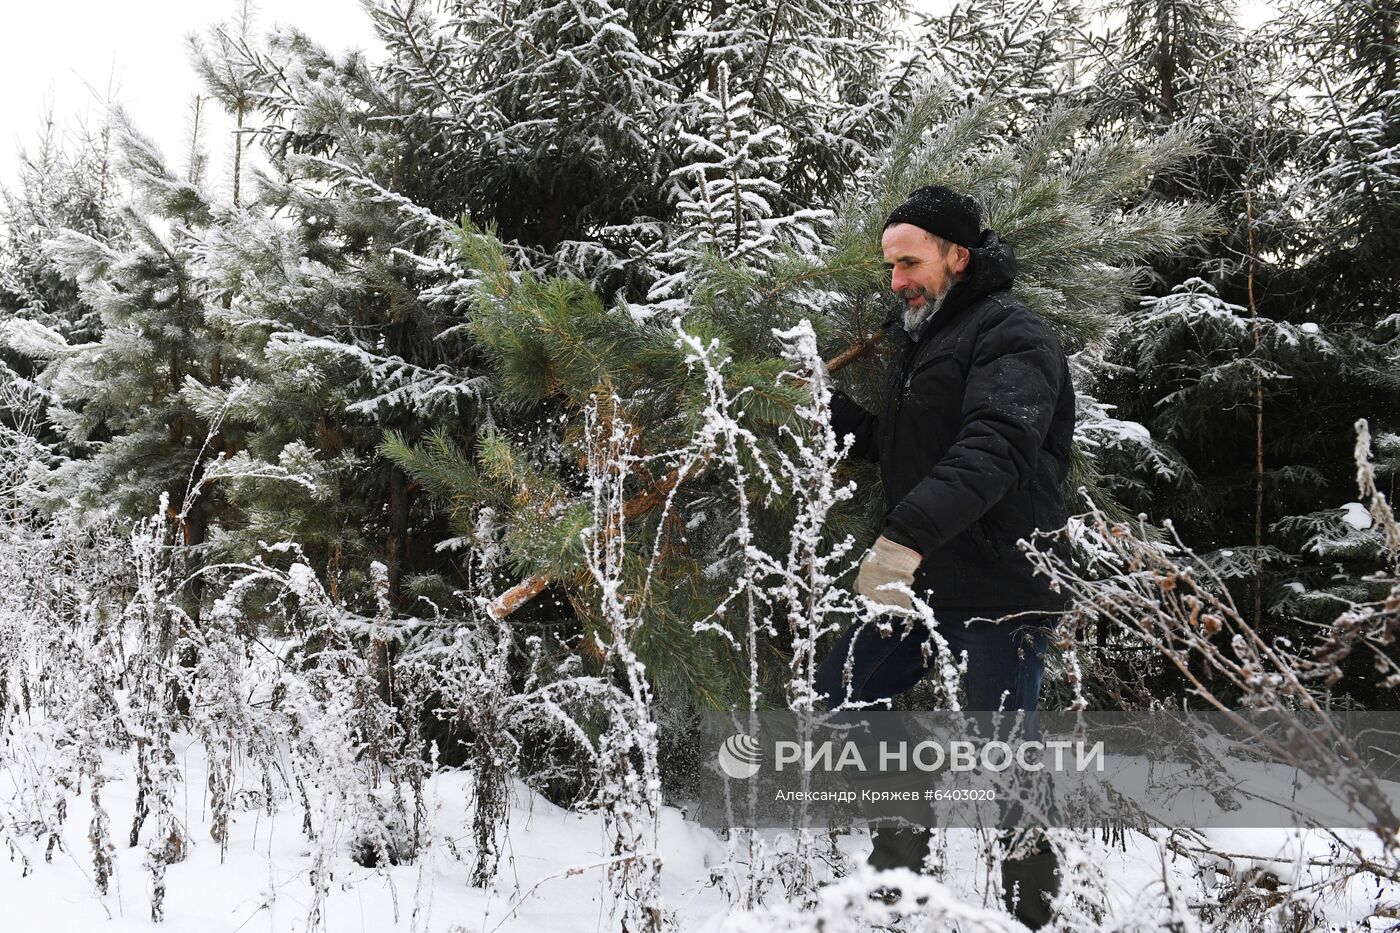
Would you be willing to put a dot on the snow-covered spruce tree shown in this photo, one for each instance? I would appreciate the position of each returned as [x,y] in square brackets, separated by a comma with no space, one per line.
[1185,63]
[730,186]
[560,124]
[1156,64]
[821,69]
[1029,53]
[1350,168]
[1263,346]
[554,118]
[1194,360]
[1346,272]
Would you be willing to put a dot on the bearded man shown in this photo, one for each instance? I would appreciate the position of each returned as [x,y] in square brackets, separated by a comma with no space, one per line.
[973,443]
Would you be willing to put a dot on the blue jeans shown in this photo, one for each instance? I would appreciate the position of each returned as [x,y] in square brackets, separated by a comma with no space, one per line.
[1005,667]
[1002,657]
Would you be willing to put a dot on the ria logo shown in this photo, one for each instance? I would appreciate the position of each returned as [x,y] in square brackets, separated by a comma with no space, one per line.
[739,756]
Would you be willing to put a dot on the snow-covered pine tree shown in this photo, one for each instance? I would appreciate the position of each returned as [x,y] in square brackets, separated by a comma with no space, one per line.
[126,401]
[60,186]
[129,392]
[555,346]
[347,281]
[554,341]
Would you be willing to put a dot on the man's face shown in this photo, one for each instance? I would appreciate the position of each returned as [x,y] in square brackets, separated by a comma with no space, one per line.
[920,271]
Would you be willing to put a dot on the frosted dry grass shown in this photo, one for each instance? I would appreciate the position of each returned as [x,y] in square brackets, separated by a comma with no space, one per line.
[117,708]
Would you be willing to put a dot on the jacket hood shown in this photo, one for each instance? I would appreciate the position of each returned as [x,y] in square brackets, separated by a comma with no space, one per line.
[992,269]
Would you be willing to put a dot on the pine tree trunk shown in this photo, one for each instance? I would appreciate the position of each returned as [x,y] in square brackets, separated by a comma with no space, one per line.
[397,547]
[195,530]
[1258,402]
[398,531]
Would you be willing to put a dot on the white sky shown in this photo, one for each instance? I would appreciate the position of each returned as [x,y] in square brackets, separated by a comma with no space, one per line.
[70,52]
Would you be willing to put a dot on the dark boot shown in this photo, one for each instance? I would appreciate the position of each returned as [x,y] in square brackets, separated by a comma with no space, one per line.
[900,842]
[1030,882]
[898,847]
[900,831]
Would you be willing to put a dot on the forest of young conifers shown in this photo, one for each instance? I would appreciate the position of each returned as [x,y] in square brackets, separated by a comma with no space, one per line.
[536,295]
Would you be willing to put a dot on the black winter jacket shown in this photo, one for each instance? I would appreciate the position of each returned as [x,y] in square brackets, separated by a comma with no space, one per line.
[974,440]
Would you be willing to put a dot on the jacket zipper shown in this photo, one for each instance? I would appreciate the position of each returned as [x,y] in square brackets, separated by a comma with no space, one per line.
[906,373]
[926,337]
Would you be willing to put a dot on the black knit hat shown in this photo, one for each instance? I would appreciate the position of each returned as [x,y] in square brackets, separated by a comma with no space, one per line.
[943,212]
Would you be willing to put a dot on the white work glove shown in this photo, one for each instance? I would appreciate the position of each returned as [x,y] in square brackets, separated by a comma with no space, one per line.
[888,562]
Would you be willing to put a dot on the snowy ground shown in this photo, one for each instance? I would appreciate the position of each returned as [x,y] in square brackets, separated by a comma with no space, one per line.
[549,881]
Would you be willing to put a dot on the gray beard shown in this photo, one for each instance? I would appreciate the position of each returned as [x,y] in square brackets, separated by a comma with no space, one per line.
[915,317]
